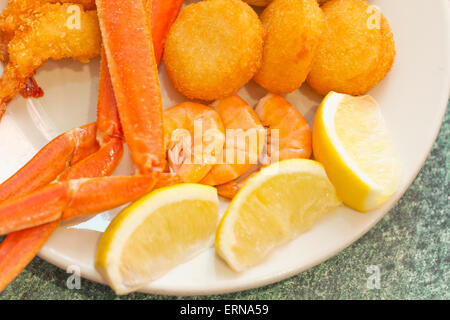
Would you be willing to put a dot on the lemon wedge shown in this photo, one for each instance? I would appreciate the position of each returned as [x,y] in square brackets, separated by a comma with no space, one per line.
[151,236]
[352,141]
[276,205]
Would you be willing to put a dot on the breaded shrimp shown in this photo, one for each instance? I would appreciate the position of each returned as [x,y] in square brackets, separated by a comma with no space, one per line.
[48,35]
[357,51]
[294,31]
[214,48]
[16,16]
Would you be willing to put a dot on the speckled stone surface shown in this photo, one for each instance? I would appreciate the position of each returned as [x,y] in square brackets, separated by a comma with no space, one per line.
[410,245]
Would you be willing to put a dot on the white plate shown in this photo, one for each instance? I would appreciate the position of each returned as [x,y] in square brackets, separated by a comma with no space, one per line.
[413,99]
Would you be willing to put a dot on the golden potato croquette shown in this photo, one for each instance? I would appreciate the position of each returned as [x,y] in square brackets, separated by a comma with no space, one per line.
[357,51]
[294,31]
[214,48]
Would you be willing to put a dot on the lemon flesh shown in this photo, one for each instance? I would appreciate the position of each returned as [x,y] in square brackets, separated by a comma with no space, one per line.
[158,232]
[275,206]
[352,141]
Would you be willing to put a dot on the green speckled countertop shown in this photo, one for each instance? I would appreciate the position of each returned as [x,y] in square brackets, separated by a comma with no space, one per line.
[410,245]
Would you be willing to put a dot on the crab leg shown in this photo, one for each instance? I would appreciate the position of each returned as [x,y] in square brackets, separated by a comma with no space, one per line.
[160,28]
[19,248]
[70,199]
[100,164]
[131,60]
[78,143]
[55,157]
[108,120]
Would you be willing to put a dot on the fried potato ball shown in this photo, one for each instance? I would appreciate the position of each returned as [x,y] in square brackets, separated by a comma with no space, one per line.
[294,31]
[214,48]
[357,51]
